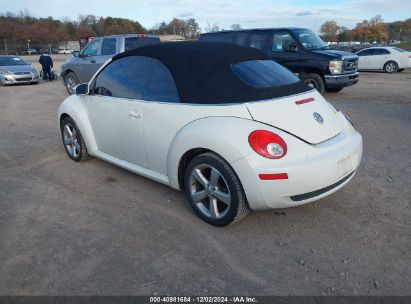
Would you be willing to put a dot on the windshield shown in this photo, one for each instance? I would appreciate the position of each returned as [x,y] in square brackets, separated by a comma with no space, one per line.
[263,73]
[10,61]
[309,39]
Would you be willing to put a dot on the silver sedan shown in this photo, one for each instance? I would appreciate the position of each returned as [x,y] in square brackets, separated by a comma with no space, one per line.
[15,70]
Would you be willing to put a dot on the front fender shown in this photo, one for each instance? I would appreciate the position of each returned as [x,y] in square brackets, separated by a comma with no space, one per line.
[226,136]
[75,107]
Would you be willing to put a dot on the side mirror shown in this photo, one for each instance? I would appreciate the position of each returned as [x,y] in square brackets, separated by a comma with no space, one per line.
[82,89]
[76,54]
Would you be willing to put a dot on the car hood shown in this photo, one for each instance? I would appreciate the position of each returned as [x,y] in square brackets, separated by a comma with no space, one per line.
[334,53]
[18,68]
[308,116]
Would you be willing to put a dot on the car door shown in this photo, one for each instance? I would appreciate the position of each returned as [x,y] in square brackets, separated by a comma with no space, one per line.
[86,64]
[114,109]
[363,59]
[378,58]
[278,51]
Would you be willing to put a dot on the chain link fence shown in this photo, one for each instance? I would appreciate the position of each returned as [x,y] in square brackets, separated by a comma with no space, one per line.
[27,48]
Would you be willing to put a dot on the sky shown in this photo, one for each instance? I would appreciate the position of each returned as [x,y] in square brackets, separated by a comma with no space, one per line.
[248,13]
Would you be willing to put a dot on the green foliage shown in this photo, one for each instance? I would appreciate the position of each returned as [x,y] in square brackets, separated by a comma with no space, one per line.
[186,28]
[368,30]
[404,45]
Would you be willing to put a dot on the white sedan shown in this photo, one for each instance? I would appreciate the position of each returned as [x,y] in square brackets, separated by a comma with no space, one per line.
[64,51]
[224,123]
[388,59]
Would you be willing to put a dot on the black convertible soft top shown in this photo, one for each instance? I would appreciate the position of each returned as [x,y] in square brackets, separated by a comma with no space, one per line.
[202,73]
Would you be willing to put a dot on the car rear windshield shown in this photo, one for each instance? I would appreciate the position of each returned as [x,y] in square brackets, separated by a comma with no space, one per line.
[10,61]
[263,73]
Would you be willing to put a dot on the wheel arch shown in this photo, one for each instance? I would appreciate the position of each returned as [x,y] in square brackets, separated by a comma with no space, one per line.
[73,107]
[225,136]
[391,60]
[65,72]
[313,70]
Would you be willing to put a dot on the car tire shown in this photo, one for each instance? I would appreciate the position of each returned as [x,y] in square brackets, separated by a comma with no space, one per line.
[391,67]
[334,90]
[313,80]
[214,190]
[70,81]
[73,140]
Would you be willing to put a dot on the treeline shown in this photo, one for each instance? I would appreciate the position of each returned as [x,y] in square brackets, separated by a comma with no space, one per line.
[22,27]
[374,29]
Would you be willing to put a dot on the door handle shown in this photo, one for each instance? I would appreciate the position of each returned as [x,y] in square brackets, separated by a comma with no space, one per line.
[133,114]
[92,61]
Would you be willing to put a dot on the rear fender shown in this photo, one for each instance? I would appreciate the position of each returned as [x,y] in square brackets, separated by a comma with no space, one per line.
[226,136]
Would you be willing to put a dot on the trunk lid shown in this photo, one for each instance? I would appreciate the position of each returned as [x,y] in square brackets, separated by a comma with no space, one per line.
[307,116]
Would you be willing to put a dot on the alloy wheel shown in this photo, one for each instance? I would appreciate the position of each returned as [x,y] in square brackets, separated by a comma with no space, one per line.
[71,140]
[311,83]
[391,67]
[209,191]
[71,84]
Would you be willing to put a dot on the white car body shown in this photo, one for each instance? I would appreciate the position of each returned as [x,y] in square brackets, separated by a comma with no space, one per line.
[378,61]
[328,154]
[64,51]
[313,149]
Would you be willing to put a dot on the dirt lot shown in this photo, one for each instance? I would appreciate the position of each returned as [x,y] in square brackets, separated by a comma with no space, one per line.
[94,229]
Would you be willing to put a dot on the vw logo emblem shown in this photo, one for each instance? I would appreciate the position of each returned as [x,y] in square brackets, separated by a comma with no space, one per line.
[318,117]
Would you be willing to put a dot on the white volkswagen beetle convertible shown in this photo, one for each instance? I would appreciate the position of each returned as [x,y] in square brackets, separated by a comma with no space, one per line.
[224,123]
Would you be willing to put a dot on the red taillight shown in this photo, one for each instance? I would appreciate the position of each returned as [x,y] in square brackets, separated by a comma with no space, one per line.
[267,144]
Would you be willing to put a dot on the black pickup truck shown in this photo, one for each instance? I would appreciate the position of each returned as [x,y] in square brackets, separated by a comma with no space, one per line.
[301,51]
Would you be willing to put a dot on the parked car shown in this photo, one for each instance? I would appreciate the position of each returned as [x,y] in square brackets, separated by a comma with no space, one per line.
[388,59]
[15,70]
[225,123]
[301,51]
[64,51]
[32,51]
[81,67]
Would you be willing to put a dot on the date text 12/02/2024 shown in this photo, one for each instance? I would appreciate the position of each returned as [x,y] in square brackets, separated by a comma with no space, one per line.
[200,299]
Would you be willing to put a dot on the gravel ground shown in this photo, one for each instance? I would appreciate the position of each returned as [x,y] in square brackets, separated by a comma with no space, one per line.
[95,229]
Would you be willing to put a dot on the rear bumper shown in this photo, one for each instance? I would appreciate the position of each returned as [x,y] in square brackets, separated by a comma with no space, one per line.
[340,81]
[317,172]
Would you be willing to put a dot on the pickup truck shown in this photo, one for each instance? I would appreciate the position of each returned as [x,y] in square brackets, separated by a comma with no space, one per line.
[301,51]
[82,65]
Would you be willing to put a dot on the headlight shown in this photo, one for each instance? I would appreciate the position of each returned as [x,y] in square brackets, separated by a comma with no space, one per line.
[335,66]
[5,72]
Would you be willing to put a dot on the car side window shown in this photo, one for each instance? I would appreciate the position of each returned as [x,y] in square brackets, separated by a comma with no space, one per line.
[281,41]
[135,42]
[259,40]
[108,47]
[365,52]
[240,38]
[220,37]
[92,48]
[124,78]
[383,52]
[160,85]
